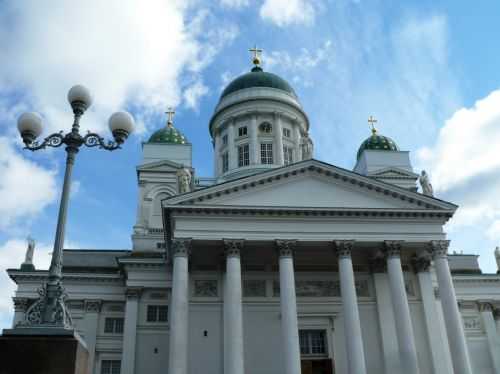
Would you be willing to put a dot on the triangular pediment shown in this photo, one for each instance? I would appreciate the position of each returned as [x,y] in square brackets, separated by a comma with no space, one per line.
[311,184]
[160,166]
[393,172]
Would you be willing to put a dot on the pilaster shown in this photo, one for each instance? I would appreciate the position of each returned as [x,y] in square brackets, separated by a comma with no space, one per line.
[486,311]
[133,295]
[91,318]
[20,307]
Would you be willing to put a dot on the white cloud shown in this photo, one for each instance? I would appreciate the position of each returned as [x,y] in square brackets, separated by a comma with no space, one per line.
[302,61]
[12,254]
[287,12]
[465,167]
[25,187]
[122,50]
[235,4]
[194,93]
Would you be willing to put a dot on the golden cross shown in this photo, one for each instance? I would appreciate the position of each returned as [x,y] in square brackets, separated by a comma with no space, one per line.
[372,121]
[170,113]
[256,51]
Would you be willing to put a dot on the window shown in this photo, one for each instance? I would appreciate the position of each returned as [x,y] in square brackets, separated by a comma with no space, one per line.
[266,128]
[312,342]
[110,366]
[242,131]
[287,155]
[113,325]
[224,139]
[286,132]
[225,162]
[243,155]
[157,313]
[266,153]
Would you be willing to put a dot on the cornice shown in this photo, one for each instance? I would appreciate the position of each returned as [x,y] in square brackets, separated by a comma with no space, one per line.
[42,275]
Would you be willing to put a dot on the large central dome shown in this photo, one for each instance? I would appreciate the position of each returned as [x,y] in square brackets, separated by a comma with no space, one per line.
[258,78]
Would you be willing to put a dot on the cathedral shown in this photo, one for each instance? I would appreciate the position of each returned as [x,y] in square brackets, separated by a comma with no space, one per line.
[279,263]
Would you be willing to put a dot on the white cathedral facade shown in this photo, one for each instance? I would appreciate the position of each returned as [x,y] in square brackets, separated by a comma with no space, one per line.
[280,263]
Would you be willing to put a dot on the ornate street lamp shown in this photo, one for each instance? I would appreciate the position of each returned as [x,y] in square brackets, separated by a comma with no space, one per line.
[50,309]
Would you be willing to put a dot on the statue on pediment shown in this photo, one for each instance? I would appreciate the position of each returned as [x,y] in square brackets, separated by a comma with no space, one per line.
[28,258]
[184,179]
[426,184]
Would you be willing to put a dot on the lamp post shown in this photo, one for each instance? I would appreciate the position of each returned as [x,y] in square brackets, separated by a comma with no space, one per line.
[50,310]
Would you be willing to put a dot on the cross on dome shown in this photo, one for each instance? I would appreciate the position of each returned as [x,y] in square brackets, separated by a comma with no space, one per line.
[372,121]
[170,113]
[256,55]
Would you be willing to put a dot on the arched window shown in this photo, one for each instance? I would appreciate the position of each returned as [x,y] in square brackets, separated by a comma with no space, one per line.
[266,128]
[156,220]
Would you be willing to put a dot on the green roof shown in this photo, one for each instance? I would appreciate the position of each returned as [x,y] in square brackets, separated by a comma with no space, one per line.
[379,143]
[258,78]
[168,134]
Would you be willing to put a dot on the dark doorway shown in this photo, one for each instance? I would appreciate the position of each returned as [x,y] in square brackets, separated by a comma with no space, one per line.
[324,366]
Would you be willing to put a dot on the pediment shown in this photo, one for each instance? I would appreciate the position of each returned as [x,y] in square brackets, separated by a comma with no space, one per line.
[393,172]
[160,166]
[310,184]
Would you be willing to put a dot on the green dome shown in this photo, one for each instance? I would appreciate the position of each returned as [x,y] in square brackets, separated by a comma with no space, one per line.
[258,78]
[168,134]
[378,143]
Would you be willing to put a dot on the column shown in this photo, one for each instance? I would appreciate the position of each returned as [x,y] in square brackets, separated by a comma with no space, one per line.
[288,304]
[278,139]
[385,313]
[179,308]
[486,311]
[130,330]
[217,154]
[297,152]
[231,148]
[452,317]
[440,361]
[233,316]
[91,318]
[352,325]
[20,308]
[254,142]
[496,316]
[404,329]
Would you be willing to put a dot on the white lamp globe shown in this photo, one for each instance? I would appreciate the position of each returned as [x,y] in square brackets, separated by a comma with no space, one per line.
[80,95]
[121,125]
[30,124]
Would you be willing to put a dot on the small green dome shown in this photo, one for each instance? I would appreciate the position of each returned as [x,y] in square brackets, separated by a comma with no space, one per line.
[378,143]
[258,78]
[168,134]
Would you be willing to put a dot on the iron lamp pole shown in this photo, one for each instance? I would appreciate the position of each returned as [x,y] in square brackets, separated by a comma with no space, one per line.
[50,309]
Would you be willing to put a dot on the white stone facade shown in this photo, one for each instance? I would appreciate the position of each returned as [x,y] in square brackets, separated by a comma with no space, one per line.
[280,268]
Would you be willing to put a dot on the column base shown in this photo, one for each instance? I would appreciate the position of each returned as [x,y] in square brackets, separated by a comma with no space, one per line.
[36,353]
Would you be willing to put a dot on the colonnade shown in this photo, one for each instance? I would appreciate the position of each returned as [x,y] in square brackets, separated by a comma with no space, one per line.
[233,322]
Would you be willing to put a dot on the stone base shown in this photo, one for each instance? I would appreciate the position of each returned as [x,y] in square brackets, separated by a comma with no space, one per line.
[42,354]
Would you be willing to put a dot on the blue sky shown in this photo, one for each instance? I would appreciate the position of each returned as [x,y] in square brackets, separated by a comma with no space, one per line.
[428,70]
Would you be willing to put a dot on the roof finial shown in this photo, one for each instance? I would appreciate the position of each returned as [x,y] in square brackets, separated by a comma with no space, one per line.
[256,58]
[372,121]
[170,113]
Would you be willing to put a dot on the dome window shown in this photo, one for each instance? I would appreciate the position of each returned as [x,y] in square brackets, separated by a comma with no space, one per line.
[266,128]
[242,131]
[287,133]
[224,139]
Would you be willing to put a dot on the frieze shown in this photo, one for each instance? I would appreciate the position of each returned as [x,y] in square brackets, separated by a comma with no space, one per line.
[233,247]
[254,288]
[133,292]
[20,304]
[378,263]
[472,323]
[93,306]
[205,288]
[285,247]
[115,308]
[421,262]
[322,288]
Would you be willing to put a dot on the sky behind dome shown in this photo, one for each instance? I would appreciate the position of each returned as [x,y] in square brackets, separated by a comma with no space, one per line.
[427,70]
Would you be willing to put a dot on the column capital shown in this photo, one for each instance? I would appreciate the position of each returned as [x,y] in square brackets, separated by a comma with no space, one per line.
[421,262]
[485,306]
[378,263]
[93,306]
[233,247]
[285,247]
[496,313]
[343,248]
[20,304]
[392,248]
[181,247]
[133,293]
[439,248]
